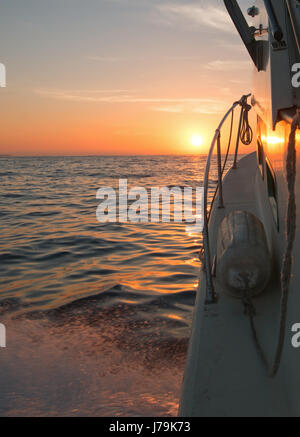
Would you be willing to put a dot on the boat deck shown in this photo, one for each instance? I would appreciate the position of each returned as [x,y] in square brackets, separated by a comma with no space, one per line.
[224,374]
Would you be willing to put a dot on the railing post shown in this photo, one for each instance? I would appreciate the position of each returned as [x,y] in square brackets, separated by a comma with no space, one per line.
[237,140]
[210,291]
[220,184]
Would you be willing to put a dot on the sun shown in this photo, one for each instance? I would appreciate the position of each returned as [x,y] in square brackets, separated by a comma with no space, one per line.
[196,140]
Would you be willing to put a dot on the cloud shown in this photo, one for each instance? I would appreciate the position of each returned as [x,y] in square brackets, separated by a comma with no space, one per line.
[193,14]
[105,58]
[164,104]
[148,58]
[237,46]
[104,96]
[228,65]
[199,106]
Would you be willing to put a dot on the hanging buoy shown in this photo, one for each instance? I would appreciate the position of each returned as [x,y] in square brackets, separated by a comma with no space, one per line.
[243,259]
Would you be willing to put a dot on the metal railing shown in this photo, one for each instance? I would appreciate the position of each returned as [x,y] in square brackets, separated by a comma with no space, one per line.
[210,291]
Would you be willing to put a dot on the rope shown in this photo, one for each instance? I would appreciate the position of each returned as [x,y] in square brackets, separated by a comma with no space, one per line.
[246,134]
[287,261]
[249,310]
[286,265]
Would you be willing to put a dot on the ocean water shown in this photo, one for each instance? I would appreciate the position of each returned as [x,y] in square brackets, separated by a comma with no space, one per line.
[98,315]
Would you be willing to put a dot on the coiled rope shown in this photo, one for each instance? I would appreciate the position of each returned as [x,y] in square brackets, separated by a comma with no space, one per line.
[246,133]
[287,260]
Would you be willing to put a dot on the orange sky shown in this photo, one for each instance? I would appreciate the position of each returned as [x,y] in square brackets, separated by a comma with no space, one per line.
[140,78]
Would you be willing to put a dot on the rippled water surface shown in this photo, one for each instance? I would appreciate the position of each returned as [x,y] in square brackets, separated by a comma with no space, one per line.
[98,316]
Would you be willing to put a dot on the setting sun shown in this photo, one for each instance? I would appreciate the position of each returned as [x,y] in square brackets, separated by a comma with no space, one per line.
[196,140]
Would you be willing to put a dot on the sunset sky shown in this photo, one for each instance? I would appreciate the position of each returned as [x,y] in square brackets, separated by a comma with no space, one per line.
[117,76]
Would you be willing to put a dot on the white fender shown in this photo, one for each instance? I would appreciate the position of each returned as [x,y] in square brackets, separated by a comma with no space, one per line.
[243,260]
